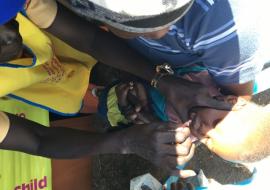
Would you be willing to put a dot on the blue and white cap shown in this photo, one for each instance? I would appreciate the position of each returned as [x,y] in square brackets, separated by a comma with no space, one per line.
[137,16]
[9,9]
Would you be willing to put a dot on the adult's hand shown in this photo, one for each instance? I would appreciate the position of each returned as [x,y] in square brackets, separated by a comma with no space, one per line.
[184,95]
[133,103]
[164,144]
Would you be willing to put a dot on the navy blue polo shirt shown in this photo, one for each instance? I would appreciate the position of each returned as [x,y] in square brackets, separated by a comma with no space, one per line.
[227,37]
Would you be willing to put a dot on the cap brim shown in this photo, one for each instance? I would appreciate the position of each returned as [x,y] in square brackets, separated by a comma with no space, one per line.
[123,21]
[159,20]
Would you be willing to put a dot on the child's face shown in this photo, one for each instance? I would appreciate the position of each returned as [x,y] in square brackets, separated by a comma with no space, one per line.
[225,133]
[10,41]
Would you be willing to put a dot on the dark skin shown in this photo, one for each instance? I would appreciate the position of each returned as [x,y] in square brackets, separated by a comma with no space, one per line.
[219,130]
[48,141]
[113,51]
[166,150]
[148,139]
[129,95]
[76,32]
[87,37]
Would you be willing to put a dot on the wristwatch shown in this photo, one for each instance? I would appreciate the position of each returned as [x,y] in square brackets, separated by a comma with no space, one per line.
[161,71]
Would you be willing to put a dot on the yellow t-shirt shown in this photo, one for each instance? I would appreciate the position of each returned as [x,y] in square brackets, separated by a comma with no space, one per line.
[56,77]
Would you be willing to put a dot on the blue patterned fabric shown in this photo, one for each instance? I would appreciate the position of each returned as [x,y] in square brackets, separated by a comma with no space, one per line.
[228,37]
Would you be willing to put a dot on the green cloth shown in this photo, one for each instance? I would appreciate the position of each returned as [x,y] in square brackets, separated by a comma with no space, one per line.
[19,169]
[114,115]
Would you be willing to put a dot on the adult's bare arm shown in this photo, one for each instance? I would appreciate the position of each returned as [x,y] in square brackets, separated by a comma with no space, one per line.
[56,142]
[161,143]
[103,46]
[113,51]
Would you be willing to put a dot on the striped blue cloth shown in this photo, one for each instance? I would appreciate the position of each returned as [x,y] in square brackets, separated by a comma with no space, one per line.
[228,37]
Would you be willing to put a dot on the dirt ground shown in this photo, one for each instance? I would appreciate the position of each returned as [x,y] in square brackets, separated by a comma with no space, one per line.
[113,172]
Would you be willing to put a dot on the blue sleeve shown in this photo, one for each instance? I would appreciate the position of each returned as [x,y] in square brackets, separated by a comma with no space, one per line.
[227,43]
